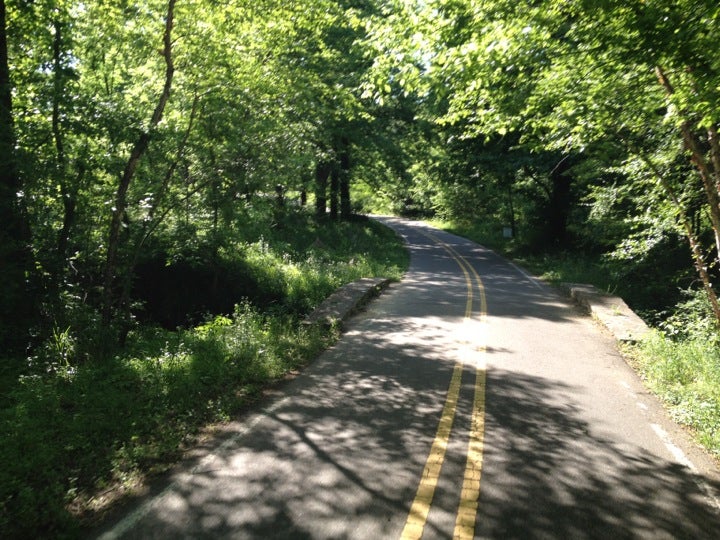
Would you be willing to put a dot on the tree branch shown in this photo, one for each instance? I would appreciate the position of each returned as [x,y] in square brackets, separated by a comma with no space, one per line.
[695,246]
[697,156]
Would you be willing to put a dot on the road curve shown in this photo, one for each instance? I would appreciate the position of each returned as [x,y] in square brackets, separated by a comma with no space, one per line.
[469,400]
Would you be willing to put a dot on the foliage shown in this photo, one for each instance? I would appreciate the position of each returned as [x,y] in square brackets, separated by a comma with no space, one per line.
[172,145]
[93,427]
[548,119]
[691,321]
[135,123]
[156,148]
[581,125]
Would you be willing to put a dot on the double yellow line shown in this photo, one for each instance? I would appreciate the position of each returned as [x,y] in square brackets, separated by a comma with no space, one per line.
[470,491]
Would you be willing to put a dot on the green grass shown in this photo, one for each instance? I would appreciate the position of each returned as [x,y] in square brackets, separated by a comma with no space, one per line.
[84,429]
[77,431]
[686,376]
[303,261]
[487,234]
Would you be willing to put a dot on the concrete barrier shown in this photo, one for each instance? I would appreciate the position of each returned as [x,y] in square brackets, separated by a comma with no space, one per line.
[611,311]
[344,302]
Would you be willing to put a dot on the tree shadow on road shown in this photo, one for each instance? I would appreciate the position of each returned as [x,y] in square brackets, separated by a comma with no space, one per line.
[341,458]
[547,475]
[342,455]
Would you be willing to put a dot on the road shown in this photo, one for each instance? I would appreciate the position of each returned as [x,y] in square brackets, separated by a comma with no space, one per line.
[469,400]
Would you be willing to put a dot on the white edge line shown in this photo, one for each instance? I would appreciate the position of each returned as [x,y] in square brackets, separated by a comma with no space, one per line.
[681,458]
[531,279]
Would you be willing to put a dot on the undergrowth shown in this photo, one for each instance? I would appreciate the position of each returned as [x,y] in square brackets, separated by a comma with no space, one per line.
[686,376]
[76,427]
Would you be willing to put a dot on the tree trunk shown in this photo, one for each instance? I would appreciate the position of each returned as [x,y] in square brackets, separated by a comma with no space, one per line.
[322,172]
[334,192]
[68,192]
[15,255]
[345,203]
[511,208]
[559,208]
[708,170]
[695,246]
[151,223]
[69,214]
[139,149]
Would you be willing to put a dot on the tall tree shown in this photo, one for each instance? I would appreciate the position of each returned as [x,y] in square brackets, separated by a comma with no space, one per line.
[592,79]
[138,150]
[15,255]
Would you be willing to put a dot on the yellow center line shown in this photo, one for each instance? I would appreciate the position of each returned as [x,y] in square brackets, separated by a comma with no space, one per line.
[470,492]
[426,490]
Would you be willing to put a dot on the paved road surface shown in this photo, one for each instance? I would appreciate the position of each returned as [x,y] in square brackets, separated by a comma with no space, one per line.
[468,400]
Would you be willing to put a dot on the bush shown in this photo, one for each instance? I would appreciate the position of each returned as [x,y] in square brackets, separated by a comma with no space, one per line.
[692,319]
[74,431]
[292,267]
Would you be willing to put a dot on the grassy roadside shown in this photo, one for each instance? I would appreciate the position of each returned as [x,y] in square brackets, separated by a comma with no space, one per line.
[685,374]
[78,434]
[680,360]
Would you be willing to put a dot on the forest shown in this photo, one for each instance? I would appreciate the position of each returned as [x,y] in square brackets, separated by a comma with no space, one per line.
[182,181]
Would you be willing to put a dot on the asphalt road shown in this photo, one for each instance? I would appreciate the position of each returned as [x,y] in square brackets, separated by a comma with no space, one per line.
[468,400]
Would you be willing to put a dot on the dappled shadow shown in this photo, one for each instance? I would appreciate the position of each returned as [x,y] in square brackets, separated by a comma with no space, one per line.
[547,474]
[339,459]
[341,456]
[510,292]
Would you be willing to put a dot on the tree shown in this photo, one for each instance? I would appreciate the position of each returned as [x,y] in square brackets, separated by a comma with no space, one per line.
[138,150]
[591,80]
[15,257]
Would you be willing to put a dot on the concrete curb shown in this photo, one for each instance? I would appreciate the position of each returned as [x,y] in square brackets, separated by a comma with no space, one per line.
[346,301]
[611,311]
